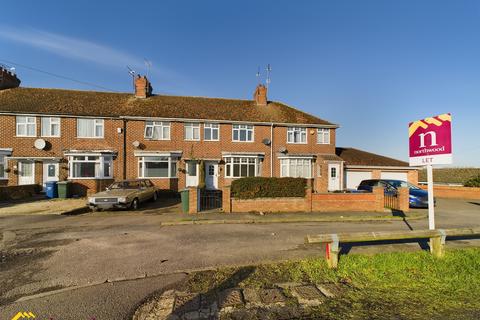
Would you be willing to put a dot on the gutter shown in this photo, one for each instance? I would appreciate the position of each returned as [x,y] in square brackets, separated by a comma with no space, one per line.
[381,167]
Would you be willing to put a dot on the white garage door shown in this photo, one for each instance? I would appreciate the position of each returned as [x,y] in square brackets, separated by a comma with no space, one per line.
[355,177]
[395,175]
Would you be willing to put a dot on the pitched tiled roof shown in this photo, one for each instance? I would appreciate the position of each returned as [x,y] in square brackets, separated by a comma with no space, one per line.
[107,104]
[357,157]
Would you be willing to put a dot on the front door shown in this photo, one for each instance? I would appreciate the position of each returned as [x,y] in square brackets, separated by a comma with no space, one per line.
[211,175]
[333,176]
[26,172]
[192,174]
[50,172]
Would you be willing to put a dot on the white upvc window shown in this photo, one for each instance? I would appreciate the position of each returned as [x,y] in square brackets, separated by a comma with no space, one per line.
[90,128]
[238,167]
[50,127]
[157,167]
[157,130]
[211,132]
[26,126]
[3,166]
[323,136]
[296,135]
[192,131]
[242,133]
[296,167]
[86,166]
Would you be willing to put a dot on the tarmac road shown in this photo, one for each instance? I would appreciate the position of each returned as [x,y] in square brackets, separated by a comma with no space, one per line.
[47,253]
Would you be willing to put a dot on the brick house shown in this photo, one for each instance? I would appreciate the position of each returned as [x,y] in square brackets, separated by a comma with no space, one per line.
[93,138]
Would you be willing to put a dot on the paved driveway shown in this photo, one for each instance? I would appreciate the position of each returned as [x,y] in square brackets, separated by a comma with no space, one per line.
[43,253]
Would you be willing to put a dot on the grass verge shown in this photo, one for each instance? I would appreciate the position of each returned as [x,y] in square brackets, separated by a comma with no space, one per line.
[383,286]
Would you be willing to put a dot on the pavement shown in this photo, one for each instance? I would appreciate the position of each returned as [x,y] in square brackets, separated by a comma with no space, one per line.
[103,266]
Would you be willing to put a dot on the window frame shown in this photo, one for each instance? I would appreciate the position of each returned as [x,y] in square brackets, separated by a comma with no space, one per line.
[302,134]
[26,124]
[170,160]
[287,163]
[192,126]
[230,163]
[3,166]
[247,128]
[323,132]
[209,126]
[101,160]
[157,124]
[95,125]
[49,134]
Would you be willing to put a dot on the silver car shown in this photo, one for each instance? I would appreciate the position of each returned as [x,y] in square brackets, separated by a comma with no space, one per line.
[126,194]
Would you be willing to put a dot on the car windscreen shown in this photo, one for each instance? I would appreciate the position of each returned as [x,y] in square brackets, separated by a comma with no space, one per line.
[126,185]
[398,184]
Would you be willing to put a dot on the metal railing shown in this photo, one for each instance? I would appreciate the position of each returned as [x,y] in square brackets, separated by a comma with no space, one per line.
[210,199]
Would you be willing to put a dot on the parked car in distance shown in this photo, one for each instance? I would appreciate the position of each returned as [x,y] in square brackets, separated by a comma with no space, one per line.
[418,198]
[124,194]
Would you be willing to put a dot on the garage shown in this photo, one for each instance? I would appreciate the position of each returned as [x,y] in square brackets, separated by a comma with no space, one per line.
[353,178]
[394,175]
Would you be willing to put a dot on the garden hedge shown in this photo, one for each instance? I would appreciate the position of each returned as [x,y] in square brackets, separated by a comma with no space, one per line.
[473,182]
[260,187]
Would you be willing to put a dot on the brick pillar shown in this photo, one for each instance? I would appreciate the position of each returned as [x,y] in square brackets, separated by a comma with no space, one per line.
[379,199]
[226,201]
[308,198]
[403,199]
[193,200]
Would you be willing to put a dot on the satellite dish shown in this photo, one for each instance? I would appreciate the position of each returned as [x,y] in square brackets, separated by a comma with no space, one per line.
[266,141]
[282,150]
[136,143]
[40,144]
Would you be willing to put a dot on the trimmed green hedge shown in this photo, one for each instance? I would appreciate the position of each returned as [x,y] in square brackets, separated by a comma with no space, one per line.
[259,187]
[473,182]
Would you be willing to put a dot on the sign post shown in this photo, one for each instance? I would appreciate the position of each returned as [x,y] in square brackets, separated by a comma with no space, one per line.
[430,142]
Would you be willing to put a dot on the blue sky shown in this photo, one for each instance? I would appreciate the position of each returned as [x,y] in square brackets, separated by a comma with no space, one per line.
[370,66]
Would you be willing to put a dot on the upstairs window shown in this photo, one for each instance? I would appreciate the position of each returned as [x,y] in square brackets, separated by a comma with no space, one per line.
[296,135]
[26,126]
[156,130]
[211,132]
[192,131]
[50,127]
[90,128]
[323,136]
[242,133]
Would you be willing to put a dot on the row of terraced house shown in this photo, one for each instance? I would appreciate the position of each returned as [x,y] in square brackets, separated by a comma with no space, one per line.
[94,138]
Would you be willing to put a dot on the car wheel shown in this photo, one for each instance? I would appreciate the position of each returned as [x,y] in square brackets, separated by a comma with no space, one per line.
[134,204]
[94,209]
[155,196]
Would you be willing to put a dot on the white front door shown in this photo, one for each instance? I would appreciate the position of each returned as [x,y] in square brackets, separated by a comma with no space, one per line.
[26,172]
[211,175]
[50,172]
[333,176]
[192,174]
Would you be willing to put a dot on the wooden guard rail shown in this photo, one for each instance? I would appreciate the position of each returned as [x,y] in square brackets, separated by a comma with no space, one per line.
[437,239]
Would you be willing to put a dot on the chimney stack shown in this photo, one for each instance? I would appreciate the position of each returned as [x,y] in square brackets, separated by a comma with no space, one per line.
[260,95]
[8,79]
[143,88]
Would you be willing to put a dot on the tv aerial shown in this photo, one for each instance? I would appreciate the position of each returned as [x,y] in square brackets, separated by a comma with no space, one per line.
[133,74]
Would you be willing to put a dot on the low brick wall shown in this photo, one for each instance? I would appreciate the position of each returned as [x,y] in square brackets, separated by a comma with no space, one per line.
[455,192]
[270,205]
[331,202]
[19,192]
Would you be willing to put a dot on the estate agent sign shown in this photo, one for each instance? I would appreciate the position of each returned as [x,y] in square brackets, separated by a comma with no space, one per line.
[431,140]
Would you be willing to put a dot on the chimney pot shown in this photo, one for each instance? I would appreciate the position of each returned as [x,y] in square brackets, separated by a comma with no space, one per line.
[260,95]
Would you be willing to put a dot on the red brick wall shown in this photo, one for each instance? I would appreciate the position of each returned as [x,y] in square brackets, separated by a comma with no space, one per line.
[455,192]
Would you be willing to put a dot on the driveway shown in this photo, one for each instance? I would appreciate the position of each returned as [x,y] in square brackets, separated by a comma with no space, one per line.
[50,252]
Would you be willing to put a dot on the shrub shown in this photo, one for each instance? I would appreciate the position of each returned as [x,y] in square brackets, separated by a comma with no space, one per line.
[473,182]
[259,187]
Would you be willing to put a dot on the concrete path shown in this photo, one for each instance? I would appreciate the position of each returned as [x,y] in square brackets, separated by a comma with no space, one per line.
[46,253]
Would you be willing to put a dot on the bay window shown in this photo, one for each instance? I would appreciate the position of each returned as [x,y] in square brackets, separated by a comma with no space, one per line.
[26,126]
[90,128]
[157,167]
[50,127]
[156,130]
[211,131]
[323,136]
[242,133]
[192,131]
[90,166]
[3,166]
[296,135]
[296,167]
[238,167]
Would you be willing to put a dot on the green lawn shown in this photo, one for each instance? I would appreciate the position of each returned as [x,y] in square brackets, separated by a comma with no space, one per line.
[383,286]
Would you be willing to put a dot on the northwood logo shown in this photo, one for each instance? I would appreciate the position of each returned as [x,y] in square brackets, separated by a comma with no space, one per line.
[24,315]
